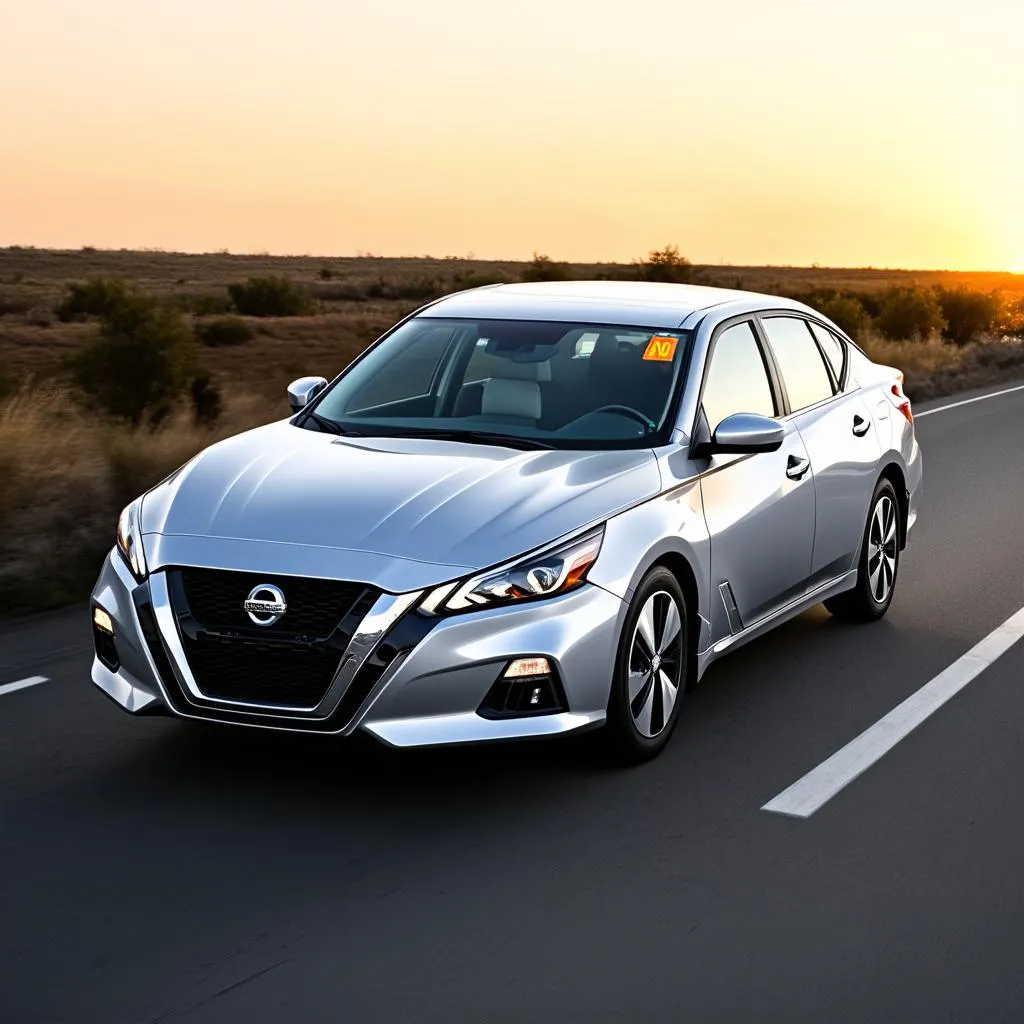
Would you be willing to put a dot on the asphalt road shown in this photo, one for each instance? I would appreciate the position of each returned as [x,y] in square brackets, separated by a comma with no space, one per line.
[153,870]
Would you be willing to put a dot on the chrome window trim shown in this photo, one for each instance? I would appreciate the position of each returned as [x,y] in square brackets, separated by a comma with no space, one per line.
[386,611]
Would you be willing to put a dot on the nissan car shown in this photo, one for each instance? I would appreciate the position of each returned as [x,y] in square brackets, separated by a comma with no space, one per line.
[526,511]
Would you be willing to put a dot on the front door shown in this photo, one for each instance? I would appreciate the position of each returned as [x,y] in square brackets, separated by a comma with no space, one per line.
[759,509]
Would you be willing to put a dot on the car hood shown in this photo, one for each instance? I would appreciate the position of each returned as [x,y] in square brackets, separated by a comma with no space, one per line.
[402,513]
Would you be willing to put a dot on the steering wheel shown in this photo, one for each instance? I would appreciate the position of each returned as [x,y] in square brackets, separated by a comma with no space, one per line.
[629,413]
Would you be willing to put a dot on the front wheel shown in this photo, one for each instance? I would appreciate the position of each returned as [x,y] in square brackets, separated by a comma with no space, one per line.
[650,670]
[879,562]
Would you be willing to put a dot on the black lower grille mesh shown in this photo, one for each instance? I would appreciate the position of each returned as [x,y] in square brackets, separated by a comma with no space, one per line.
[292,675]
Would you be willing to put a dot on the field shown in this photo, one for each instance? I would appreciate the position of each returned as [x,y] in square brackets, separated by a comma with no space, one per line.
[32,282]
[65,470]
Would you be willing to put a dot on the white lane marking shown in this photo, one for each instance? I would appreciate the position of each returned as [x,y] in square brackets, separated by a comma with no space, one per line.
[820,784]
[968,401]
[21,684]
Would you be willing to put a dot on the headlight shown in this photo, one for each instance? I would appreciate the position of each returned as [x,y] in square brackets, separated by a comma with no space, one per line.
[555,571]
[129,540]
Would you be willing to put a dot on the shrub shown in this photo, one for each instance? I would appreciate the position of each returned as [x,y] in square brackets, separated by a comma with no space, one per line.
[665,265]
[909,313]
[1011,319]
[97,296]
[226,330]
[843,309]
[202,303]
[544,268]
[417,290]
[348,291]
[475,279]
[16,304]
[967,313]
[143,360]
[206,398]
[270,296]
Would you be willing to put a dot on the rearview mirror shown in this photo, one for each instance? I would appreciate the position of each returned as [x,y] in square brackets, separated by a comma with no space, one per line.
[302,391]
[746,433]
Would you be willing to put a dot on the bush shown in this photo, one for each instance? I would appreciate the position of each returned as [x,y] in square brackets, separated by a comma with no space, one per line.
[845,310]
[909,313]
[475,279]
[97,296]
[1011,319]
[227,330]
[143,360]
[348,291]
[967,313]
[202,303]
[270,296]
[544,268]
[665,265]
[417,290]
[206,398]
[16,304]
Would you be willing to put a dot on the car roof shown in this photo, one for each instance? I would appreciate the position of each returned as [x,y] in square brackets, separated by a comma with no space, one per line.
[647,303]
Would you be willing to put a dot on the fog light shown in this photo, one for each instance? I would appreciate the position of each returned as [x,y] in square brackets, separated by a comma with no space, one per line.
[103,620]
[523,667]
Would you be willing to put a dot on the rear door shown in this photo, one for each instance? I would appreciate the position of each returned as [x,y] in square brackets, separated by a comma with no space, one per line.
[759,509]
[838,429]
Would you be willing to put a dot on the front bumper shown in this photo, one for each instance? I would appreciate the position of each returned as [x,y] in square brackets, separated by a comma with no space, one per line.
[427,695]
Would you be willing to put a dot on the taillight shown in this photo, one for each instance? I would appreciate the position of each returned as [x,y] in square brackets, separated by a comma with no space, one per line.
[900,400]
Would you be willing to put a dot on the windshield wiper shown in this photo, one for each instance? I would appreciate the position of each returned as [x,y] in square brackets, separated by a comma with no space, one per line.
[475,437]
[330,427]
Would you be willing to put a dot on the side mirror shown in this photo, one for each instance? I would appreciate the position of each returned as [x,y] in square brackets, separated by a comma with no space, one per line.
[302,391]
[746,433]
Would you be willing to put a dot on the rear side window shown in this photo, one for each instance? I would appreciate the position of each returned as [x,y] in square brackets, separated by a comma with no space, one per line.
[800,362]
[737,380]
[834,349]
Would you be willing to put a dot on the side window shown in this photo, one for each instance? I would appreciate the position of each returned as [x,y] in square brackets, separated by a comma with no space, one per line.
[800,363]
[737,380]
[414,379]
[834,349]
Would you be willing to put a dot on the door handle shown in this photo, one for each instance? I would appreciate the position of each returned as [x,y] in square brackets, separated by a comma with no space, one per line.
[860,426]
[796,467]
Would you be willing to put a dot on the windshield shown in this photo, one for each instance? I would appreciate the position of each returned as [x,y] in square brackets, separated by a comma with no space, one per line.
[561,385]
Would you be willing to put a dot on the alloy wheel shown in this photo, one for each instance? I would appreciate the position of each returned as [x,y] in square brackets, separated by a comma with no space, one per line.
[655,664]
[882,549]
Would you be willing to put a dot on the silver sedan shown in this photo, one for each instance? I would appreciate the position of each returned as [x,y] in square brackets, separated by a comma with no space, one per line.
[526,510]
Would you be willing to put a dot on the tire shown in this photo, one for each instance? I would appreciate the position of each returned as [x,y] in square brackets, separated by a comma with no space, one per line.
[879,563]
[639,725]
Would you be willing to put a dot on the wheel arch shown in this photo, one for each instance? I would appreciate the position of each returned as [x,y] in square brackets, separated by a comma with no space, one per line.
[893,472]
[677,563]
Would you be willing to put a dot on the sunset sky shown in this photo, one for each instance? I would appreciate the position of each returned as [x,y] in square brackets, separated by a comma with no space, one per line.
[885,133]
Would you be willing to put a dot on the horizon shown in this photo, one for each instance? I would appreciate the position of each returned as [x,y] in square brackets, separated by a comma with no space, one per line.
[804,135]
[472,257]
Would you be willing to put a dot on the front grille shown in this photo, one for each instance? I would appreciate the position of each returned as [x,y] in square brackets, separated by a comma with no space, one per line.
[290,663]
[315,607]
[292,675]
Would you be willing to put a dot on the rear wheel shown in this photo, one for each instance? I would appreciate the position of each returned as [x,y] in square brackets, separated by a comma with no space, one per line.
[879,562]
[650,670]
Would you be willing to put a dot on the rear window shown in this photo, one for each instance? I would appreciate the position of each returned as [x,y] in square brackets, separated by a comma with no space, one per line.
[834,349]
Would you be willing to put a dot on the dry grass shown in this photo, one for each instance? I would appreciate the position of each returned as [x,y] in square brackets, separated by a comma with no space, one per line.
[66,474]
[934,368]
